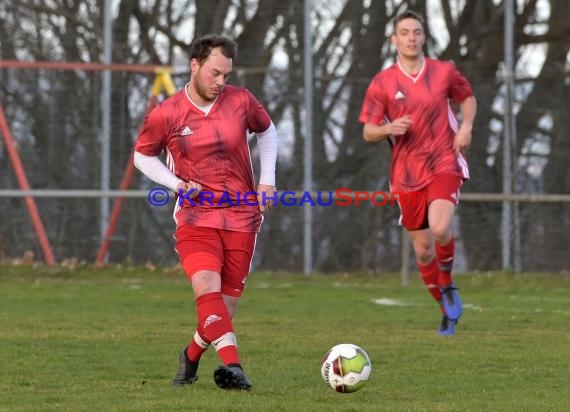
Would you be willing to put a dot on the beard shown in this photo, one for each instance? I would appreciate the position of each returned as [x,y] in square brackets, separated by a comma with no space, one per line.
[204,92]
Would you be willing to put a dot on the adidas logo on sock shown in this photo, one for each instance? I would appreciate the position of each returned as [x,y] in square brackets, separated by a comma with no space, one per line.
[211,319]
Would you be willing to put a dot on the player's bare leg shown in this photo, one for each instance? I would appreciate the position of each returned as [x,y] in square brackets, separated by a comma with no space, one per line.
[231,376]
[231,303]
[440,217]
[215,312]
[424,249]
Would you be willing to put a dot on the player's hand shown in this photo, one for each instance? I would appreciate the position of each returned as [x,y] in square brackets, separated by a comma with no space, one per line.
[400,125]
[462,139]
[267,201]
[189,185]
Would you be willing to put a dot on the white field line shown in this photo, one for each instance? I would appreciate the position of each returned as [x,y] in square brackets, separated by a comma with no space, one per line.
[468,306]
[391,302]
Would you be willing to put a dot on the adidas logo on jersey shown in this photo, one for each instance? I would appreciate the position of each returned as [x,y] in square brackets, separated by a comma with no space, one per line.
[399,95]
[186,131]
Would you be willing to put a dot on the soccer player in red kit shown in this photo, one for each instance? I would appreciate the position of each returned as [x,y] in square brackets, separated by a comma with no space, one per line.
[409,105]
[204,130]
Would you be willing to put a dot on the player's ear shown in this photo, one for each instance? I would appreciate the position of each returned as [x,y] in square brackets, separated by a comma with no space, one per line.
[194,65]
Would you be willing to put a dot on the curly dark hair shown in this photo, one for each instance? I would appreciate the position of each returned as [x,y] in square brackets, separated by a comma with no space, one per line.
[201,47]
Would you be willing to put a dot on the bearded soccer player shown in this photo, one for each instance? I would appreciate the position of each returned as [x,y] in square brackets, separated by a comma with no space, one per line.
[203,129]
[409,104]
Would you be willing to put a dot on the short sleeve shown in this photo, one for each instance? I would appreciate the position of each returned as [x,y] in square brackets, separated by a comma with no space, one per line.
[152,137]
[460,88]
[373,107]
[258,119]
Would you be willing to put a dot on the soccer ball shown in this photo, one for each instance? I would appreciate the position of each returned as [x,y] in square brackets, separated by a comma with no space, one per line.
[346,368]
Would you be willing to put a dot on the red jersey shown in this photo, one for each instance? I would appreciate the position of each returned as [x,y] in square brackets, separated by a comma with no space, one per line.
[426,149]
[211,149]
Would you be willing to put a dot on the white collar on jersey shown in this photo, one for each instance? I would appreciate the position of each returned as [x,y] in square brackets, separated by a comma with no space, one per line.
[206,109]
[412,78]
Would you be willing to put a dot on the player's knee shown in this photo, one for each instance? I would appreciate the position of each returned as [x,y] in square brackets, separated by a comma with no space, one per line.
[205,281]
[425,259]
[424,254]
[441,233]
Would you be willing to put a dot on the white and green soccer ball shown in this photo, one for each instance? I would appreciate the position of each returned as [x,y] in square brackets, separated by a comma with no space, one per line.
[346,368]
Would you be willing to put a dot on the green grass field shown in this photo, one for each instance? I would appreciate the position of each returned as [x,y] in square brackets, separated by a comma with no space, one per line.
[108,340]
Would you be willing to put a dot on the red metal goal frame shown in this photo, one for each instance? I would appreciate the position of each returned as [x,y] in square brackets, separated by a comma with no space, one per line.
[162,82]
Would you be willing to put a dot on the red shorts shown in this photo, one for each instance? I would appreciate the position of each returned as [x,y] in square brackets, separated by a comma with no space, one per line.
[414,210]
[226,252]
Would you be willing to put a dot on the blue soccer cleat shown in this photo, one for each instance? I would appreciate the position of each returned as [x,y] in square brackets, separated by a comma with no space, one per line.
[451,302]
[447,327]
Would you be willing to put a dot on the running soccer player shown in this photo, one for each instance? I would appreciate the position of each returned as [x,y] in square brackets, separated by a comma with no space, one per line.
[409,104]
[203,129]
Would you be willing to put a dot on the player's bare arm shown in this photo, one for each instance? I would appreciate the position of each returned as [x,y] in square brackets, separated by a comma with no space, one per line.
[375,133]
[265,202]
[462,139]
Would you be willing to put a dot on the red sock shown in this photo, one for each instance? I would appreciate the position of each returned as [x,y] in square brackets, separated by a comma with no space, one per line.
[197,347]
[215,325]
[430,276]
[445,256]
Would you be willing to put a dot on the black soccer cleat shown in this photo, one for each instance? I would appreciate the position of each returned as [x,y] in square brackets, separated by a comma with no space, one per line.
[231,378]
[187,371]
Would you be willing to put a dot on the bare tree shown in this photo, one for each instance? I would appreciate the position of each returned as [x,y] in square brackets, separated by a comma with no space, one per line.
[55,116]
